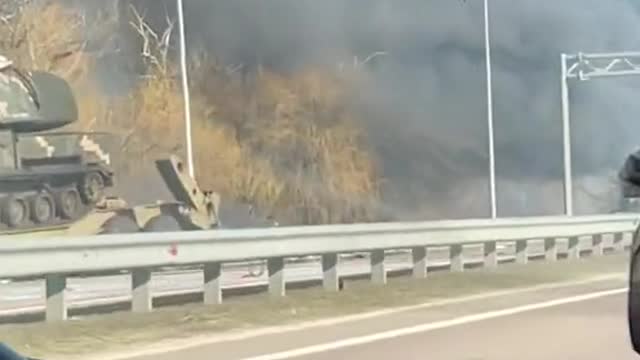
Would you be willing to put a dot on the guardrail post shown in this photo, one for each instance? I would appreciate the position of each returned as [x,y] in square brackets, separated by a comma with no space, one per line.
[141,290]
[573,250]
[212,283]
[330,272]
[598,245]
[56,307]
[551,249]
[522,255]
[618,242]
[490,254]
[419,255]
[457,262]
[275,267]
[378,272]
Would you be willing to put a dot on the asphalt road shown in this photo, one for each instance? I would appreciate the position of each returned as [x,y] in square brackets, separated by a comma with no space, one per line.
[582,322]
[28,296]
[588,330]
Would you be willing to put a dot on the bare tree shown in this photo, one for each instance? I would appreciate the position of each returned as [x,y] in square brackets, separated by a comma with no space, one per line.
[155,47]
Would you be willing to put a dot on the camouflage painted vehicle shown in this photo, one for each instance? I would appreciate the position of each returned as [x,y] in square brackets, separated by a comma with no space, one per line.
[53,183]
[192,209]
[43,186]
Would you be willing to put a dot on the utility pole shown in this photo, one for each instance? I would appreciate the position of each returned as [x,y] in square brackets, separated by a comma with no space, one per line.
[566,139]
[185,88]
[492,159]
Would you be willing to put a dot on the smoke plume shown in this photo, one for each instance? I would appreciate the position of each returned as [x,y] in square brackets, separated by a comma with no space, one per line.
[425,101]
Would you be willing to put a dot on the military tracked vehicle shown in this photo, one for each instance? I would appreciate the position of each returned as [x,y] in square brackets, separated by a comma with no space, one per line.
[191,209]
[52,183]
[43,186]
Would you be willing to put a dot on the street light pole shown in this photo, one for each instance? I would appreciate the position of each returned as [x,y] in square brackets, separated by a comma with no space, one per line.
[492,160]
[566,138]
[185,88]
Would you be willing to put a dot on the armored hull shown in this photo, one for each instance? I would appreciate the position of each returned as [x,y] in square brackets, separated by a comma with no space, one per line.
[47,195]
[193,209]
[46,179]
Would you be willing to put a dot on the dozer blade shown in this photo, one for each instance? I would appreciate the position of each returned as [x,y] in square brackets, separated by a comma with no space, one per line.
[185,189]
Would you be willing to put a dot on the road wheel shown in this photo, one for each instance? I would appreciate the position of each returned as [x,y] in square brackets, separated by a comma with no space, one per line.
[15,211]
[92,188]
[120,224]
[42,208]
[69,203]
[162,223]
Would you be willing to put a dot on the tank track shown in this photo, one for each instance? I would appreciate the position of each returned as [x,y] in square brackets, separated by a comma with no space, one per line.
[35,203]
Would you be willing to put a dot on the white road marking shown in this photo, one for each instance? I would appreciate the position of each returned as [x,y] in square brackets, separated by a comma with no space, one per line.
[360,340]
[168,345]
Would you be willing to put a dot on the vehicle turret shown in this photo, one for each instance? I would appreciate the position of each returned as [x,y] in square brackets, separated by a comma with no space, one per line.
[41,184]
[35,101]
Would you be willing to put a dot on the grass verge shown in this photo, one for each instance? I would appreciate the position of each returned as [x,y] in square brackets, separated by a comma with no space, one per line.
[122,331]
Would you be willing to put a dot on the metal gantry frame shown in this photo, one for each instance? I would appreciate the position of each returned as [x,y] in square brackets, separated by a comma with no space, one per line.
[585,67]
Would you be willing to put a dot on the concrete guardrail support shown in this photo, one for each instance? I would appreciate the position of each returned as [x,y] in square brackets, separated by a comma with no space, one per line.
[141,300]
[419,255]
[522,253]
[330,280]
[457,261]
[573,248]
[213,283]
[551,249]
[618,242]
[275,268]
[378,271]
[490,254]
[598,245]
[56,306]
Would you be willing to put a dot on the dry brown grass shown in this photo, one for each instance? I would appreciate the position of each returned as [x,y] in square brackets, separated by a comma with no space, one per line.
[308,157]
[46,37]
[289,143]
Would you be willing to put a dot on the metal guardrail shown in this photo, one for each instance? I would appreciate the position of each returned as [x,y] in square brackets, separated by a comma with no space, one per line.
[55,259]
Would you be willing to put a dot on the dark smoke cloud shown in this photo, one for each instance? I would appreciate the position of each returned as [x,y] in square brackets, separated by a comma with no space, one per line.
[425,107]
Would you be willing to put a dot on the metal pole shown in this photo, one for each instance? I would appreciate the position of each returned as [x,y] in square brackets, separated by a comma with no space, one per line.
[566,139]
[185,88]
[492,160]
